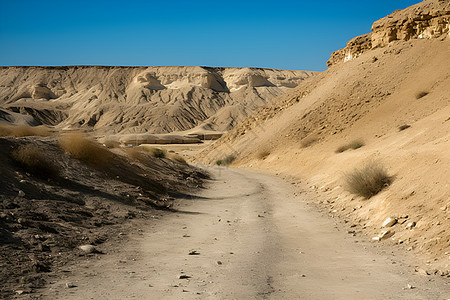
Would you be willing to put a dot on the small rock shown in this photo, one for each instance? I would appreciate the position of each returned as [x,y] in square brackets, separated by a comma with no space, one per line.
[20,292]
[21,193]
[389,222]
[70,285]
[410,286]
[219,262]
[194,252]
[422,272]
[184,276]
[88,248]
[411,225]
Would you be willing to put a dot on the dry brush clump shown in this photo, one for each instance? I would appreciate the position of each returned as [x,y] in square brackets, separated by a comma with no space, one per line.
[23,130]
[262,154]
[308,141]
[177,158]
[33,161]
[356,144]
[421,94]
[228,160]
[368,180]
[85,149]
[403,127]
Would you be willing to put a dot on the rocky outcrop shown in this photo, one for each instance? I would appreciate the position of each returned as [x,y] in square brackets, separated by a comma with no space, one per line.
[426,20]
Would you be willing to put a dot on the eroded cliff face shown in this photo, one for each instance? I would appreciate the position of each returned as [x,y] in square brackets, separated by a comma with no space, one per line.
[141,99]
[426,20]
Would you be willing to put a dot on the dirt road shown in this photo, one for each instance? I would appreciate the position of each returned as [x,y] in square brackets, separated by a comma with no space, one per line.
[249,237]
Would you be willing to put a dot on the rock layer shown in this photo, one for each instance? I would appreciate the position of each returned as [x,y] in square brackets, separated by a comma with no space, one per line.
[124,100]
[426,20]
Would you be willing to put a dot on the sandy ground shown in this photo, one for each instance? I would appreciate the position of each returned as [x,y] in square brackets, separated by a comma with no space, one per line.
[256,236]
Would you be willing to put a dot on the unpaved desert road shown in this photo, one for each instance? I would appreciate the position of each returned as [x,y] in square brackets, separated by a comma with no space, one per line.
[254,239]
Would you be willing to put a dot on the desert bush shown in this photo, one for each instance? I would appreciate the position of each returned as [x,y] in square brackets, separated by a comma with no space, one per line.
[23,130]
[85,150]
[368,180]
[33,161]
[403,127]
[134,153]
[356,144]
[176,157]
[308,141]
[263,154]
[155,152]
[421,94]
[228,160]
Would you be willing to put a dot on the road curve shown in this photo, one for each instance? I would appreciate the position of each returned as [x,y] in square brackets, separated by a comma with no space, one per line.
[247,236]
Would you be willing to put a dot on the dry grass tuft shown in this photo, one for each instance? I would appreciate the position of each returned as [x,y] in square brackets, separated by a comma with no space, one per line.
[421,94]
[263,154]
[367,181]
[23,130]
[178,158]
[403,127]
[226,161]
[308,141]
[33,161]
[85,150]
[356,144]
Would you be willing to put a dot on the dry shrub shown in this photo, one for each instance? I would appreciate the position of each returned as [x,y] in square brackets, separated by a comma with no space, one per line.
[263,154]
[368,180]
[178,158]
[356,144]
[228,160]
[403,127]
[155,152]
[33,161]
[421,94]
[85,150]
[308,141]
[23,130]
[134,153]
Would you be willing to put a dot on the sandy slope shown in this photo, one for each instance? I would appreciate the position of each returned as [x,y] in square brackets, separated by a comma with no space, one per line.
[256,239]
[366,98]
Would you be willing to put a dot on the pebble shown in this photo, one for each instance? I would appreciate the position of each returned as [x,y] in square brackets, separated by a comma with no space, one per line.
[70,285]
[87,248]
[411,225]
[184,276]
[21,193]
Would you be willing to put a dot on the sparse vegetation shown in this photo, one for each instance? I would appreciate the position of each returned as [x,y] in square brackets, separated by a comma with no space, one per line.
[263,154]
[356,144]
[33,161]
[403,127]
[421,94]
[178,158]
[368,180]
[308,141]
[23,130]
[226,161]
[85,150]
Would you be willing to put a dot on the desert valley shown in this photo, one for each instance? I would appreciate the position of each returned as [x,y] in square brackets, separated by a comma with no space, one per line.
[233,183]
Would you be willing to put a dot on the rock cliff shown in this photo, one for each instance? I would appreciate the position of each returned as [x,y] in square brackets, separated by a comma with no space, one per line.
[426,20]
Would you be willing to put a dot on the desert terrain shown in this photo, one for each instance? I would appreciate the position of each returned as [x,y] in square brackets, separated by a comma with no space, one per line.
[234,183]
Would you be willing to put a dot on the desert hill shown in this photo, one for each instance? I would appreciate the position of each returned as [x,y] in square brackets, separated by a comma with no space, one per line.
[387,91]
[154,100]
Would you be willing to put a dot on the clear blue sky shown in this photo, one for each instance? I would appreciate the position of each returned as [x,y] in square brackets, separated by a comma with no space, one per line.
[277,34]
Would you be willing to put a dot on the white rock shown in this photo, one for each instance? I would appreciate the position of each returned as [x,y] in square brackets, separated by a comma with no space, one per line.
[389,222]
[411,225]
[21,193]
[87,248]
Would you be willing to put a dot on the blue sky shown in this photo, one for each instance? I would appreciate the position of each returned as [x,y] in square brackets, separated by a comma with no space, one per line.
[277,34]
